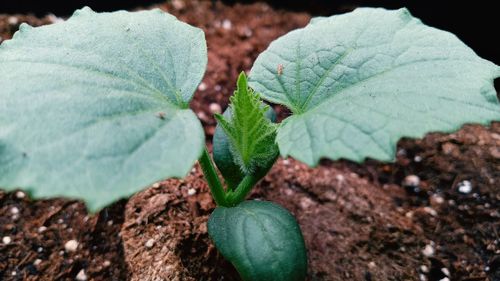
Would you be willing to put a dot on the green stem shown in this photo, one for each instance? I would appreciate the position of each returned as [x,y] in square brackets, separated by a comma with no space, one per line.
[212,178]
[239,194]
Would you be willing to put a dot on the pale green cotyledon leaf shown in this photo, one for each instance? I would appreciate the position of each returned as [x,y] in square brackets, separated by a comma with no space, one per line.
[96,107]
[358,82]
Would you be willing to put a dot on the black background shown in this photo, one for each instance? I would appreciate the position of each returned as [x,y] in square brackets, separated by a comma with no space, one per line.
[474,22]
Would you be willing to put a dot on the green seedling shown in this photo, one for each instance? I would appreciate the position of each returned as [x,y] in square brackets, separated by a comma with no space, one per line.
[97,108]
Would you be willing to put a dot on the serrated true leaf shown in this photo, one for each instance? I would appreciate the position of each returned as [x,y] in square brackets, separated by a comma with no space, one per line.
[96,107]
[223,157]
[251,135]
[358,82]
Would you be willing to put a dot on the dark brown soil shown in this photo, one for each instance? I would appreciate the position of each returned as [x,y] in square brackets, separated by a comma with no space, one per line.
[360,222]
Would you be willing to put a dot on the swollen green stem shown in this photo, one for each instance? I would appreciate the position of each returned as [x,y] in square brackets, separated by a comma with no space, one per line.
[212,178]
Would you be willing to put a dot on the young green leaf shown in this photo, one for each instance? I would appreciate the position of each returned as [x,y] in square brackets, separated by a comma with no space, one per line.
[261,239]
[96,107]
[250,133]
[223,157]
[358,82]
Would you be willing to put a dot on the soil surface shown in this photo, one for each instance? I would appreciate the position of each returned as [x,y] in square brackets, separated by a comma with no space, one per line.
[432,215]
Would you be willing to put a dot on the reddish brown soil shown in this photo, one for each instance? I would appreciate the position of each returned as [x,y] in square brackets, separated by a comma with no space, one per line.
[359,221]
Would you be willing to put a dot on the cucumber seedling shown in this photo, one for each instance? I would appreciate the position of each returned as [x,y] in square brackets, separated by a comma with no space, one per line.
[97,108]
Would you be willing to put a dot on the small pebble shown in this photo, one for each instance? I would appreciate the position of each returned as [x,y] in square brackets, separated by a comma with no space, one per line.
[422,277]
[81,276]
[106,263]
[202,87]
[14,273]
[191,191]
[372,264]
[226,24]
[150,243]
[20,195]
[6,240]
[156,185]
[37,262]
[40,249]
[428,251]
[411,180]
[71,246]
[42,229]
[215,108]
[424,268]
[465,187]
[417,159]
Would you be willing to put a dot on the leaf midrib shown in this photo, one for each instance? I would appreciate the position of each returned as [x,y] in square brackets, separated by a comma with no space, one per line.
[336,92]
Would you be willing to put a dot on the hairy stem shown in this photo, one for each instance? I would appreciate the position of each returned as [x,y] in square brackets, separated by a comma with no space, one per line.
[212,178]
[239,194]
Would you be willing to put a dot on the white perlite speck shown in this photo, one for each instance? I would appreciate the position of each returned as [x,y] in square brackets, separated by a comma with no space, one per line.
[411,180]
[191,191]
[465,187]
[215,108]
[81,276]
[20,195]
[445,271]
[428,251]
[71,246]
[14,210]
[202,86]
[150,243]
[6,240]
[12,20]
[226,24]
